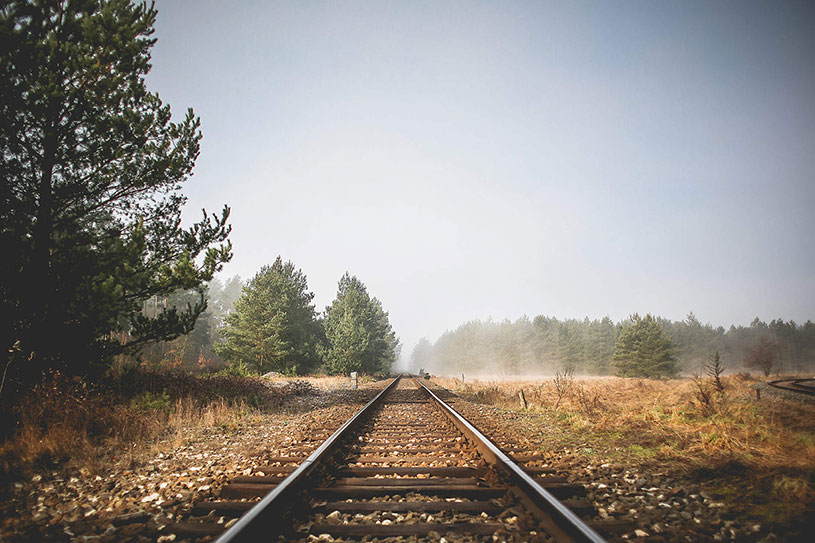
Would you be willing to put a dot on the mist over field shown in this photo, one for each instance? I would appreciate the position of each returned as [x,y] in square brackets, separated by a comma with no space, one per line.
[587,226]
[491,160]
[546,346]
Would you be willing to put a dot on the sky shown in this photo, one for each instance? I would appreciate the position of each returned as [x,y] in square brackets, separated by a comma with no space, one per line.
[475,160]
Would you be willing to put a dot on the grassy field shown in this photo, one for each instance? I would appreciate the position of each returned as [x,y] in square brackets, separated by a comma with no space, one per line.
[66,422]
[757,455]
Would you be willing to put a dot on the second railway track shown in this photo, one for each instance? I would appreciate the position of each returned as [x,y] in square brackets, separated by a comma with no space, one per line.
[407,467]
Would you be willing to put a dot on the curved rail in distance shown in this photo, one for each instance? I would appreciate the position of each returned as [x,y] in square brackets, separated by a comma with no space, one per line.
[804,386]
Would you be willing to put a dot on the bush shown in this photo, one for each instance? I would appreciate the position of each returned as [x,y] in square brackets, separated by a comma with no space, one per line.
[150,401]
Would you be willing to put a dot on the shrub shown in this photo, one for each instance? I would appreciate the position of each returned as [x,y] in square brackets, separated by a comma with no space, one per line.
[150,401]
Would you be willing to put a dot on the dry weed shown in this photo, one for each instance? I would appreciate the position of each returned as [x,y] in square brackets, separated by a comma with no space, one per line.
[665,419]
[63,420]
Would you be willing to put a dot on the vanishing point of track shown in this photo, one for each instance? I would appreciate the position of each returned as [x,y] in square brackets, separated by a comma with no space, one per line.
[405,467]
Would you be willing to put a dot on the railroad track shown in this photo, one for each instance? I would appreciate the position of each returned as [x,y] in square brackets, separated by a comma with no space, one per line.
[804,386]
[405,467]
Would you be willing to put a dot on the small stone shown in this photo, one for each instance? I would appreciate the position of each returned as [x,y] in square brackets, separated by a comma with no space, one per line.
[166,538]
[36,479]
[685,515]
[756,527]
[640,533]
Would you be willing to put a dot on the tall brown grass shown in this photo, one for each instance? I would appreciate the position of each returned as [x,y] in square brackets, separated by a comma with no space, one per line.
[65,421]
[665,419]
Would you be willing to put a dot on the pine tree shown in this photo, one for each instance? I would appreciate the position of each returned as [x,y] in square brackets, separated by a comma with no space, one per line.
[90,202]
[273,326]
[644,350]
[358,333]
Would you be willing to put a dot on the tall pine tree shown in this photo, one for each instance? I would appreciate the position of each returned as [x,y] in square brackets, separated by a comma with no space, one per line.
[90,200]
[274,326]
[358,334]
[644,350]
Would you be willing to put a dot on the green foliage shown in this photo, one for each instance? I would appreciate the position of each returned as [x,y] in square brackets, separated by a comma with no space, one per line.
[150,401]
[238,368]
[644,350]
[358,333]
[194,351]
[90,203]
[274,325]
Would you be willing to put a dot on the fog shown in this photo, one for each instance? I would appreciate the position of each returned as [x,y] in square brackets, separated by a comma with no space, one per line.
[492,160]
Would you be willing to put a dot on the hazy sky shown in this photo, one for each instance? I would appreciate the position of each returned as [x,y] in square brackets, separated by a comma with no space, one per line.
[494,159]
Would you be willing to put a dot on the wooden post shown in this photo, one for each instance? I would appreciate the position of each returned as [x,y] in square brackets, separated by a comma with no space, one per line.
[521,395]
[354,381]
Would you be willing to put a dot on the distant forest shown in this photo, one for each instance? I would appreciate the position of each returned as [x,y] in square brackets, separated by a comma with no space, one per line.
[545,345]
[194,351]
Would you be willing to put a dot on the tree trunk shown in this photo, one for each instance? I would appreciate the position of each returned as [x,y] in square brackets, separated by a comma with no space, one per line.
[41,285]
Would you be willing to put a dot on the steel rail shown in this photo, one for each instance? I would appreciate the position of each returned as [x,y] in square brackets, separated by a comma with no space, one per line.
[795,385]
[562,515]
[262,520]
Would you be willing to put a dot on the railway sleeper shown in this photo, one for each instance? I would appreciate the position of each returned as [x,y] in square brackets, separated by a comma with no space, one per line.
[464,506]
[439,471]
[446,491]
[396,530]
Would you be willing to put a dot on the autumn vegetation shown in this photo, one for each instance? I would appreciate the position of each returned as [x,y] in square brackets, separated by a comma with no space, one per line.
[758,456]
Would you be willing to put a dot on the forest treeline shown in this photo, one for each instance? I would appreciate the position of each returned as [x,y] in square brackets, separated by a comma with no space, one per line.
[269,324]
[545,345]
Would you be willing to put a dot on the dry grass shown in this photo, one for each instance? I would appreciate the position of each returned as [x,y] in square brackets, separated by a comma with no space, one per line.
[757,453]
[65,422]
[666,417]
